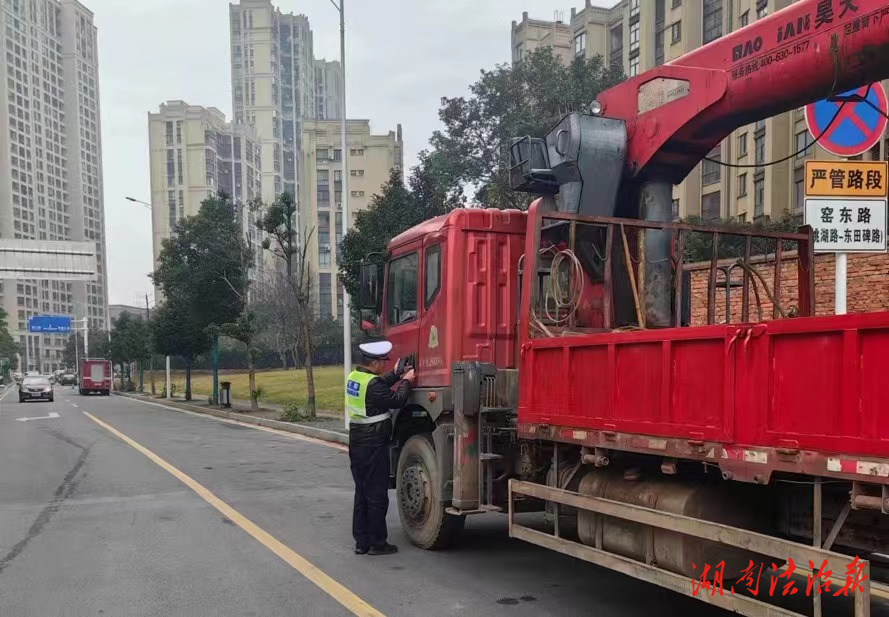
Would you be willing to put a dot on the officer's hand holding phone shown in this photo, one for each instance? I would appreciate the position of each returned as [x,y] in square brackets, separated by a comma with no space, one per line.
[410,376]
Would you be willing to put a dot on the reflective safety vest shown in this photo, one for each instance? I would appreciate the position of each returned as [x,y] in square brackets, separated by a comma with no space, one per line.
[356,391]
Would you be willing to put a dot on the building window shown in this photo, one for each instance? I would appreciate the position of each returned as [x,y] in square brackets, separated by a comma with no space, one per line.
[710,170]
[324,230]
[634,7]
[357,172]
[402,292]
[759,145]
[675,209]
[357,193]
[745,19]
[634,37]
[712,20]
[677,4]
[634,66]
[799,189]
[324,292]
[617,46]
[742,145]
[762,8]
[338,222]
[676,32]
[803,141]
[337,154]
[580,44]
[742,185]
[759,196]
[357,152]
[432,275]
[169,133]
[322,156]
[710,210]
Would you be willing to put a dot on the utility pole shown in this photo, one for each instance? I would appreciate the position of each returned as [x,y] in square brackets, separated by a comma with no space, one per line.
[169,383]
[151,357]
[347,317]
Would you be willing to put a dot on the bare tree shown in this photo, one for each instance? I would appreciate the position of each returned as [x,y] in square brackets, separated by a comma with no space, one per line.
[283,241]
[277,314]
[302,282]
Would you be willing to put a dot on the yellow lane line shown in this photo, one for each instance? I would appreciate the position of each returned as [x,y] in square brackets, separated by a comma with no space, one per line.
[349,600]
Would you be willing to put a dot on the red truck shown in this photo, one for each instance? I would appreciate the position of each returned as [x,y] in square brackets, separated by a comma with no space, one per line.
[565,367]
[95,376]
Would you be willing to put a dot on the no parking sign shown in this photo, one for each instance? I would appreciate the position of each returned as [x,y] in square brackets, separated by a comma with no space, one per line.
[858,125]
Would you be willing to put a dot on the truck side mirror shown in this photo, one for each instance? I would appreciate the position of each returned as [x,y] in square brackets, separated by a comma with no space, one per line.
[369,320]
[369,295]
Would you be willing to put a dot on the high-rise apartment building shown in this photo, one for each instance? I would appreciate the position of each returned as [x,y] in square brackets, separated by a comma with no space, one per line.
[195,153]
[328,90]
[51,160]
[273,86]
[370,161]
[639,35]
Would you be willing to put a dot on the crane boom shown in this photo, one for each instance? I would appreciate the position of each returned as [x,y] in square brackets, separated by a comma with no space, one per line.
[813,49]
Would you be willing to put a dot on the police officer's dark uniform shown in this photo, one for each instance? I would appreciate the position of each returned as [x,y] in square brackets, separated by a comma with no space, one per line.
[369,401]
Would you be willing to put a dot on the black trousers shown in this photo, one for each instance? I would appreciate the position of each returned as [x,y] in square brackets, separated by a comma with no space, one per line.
[370,470]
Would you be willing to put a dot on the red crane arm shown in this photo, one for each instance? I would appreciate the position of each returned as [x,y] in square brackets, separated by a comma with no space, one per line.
[678,112]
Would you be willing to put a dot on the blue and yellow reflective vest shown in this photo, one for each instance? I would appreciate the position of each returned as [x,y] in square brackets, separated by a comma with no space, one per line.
[356,391]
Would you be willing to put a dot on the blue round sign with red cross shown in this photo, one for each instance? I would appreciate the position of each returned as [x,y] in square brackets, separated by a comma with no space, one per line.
[858,125]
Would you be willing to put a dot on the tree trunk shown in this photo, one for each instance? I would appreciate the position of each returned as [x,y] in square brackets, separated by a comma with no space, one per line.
[188,379]
[254,404]
[310,377]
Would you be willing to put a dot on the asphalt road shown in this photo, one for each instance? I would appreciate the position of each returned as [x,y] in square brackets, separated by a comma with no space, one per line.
[120,507]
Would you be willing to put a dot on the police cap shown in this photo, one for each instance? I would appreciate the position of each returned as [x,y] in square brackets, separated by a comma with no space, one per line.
[378,350]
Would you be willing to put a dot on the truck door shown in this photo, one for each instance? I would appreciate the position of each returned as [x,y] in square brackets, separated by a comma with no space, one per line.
[432,370]
[402,305]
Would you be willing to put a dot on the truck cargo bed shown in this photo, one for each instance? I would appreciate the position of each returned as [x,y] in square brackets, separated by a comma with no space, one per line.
[778,390]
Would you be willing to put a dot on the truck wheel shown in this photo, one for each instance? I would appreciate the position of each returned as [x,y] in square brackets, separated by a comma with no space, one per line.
[418,489]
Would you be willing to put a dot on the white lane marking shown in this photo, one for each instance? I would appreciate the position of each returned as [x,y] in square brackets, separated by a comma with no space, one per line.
[298,437]
[74,404]
[49,417]
[6,391]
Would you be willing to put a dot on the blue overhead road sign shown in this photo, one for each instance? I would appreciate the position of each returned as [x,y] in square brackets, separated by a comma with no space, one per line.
[49,323]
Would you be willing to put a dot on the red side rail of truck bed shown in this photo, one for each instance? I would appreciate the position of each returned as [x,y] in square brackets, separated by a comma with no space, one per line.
[806,394]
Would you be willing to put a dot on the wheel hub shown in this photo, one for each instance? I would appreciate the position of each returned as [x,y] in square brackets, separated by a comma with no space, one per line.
[415,493]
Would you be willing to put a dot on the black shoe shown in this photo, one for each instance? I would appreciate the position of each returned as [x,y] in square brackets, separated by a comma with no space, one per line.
[383,549]
[361,550]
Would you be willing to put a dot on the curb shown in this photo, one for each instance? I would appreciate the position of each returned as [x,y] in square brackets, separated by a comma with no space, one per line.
[300,429]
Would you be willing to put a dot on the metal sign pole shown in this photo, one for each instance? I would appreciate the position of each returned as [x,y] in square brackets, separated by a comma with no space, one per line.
[840,284]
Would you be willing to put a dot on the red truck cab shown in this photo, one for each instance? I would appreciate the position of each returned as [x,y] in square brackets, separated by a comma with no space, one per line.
[95,376]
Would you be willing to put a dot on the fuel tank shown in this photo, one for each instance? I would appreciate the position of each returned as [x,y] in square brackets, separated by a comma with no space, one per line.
[736,506]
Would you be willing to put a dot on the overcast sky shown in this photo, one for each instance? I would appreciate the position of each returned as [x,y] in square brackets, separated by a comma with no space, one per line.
[402,56]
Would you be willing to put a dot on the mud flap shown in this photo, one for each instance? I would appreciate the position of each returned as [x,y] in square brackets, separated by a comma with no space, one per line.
[443,439]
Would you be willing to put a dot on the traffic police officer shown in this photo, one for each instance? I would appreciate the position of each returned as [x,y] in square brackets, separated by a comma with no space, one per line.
[370,399]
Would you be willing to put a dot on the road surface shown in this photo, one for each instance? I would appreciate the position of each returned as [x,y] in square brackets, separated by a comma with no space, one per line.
[123,507]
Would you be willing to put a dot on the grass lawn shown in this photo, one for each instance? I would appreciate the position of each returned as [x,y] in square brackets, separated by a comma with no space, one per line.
[278,386]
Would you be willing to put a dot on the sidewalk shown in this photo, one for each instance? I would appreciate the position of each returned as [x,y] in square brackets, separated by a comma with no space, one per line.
[324,427]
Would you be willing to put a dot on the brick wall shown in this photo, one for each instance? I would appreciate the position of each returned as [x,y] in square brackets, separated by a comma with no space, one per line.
[867,287]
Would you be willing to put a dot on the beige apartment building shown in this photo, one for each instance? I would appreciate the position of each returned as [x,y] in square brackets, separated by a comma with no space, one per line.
[195,153]
[639,35]
[370,161]
[51,162]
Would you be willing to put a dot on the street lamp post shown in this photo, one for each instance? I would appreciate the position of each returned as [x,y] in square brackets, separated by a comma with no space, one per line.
[148,316]
[347,317]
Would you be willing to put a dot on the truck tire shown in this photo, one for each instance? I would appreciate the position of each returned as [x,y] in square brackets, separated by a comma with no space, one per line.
[418,491]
